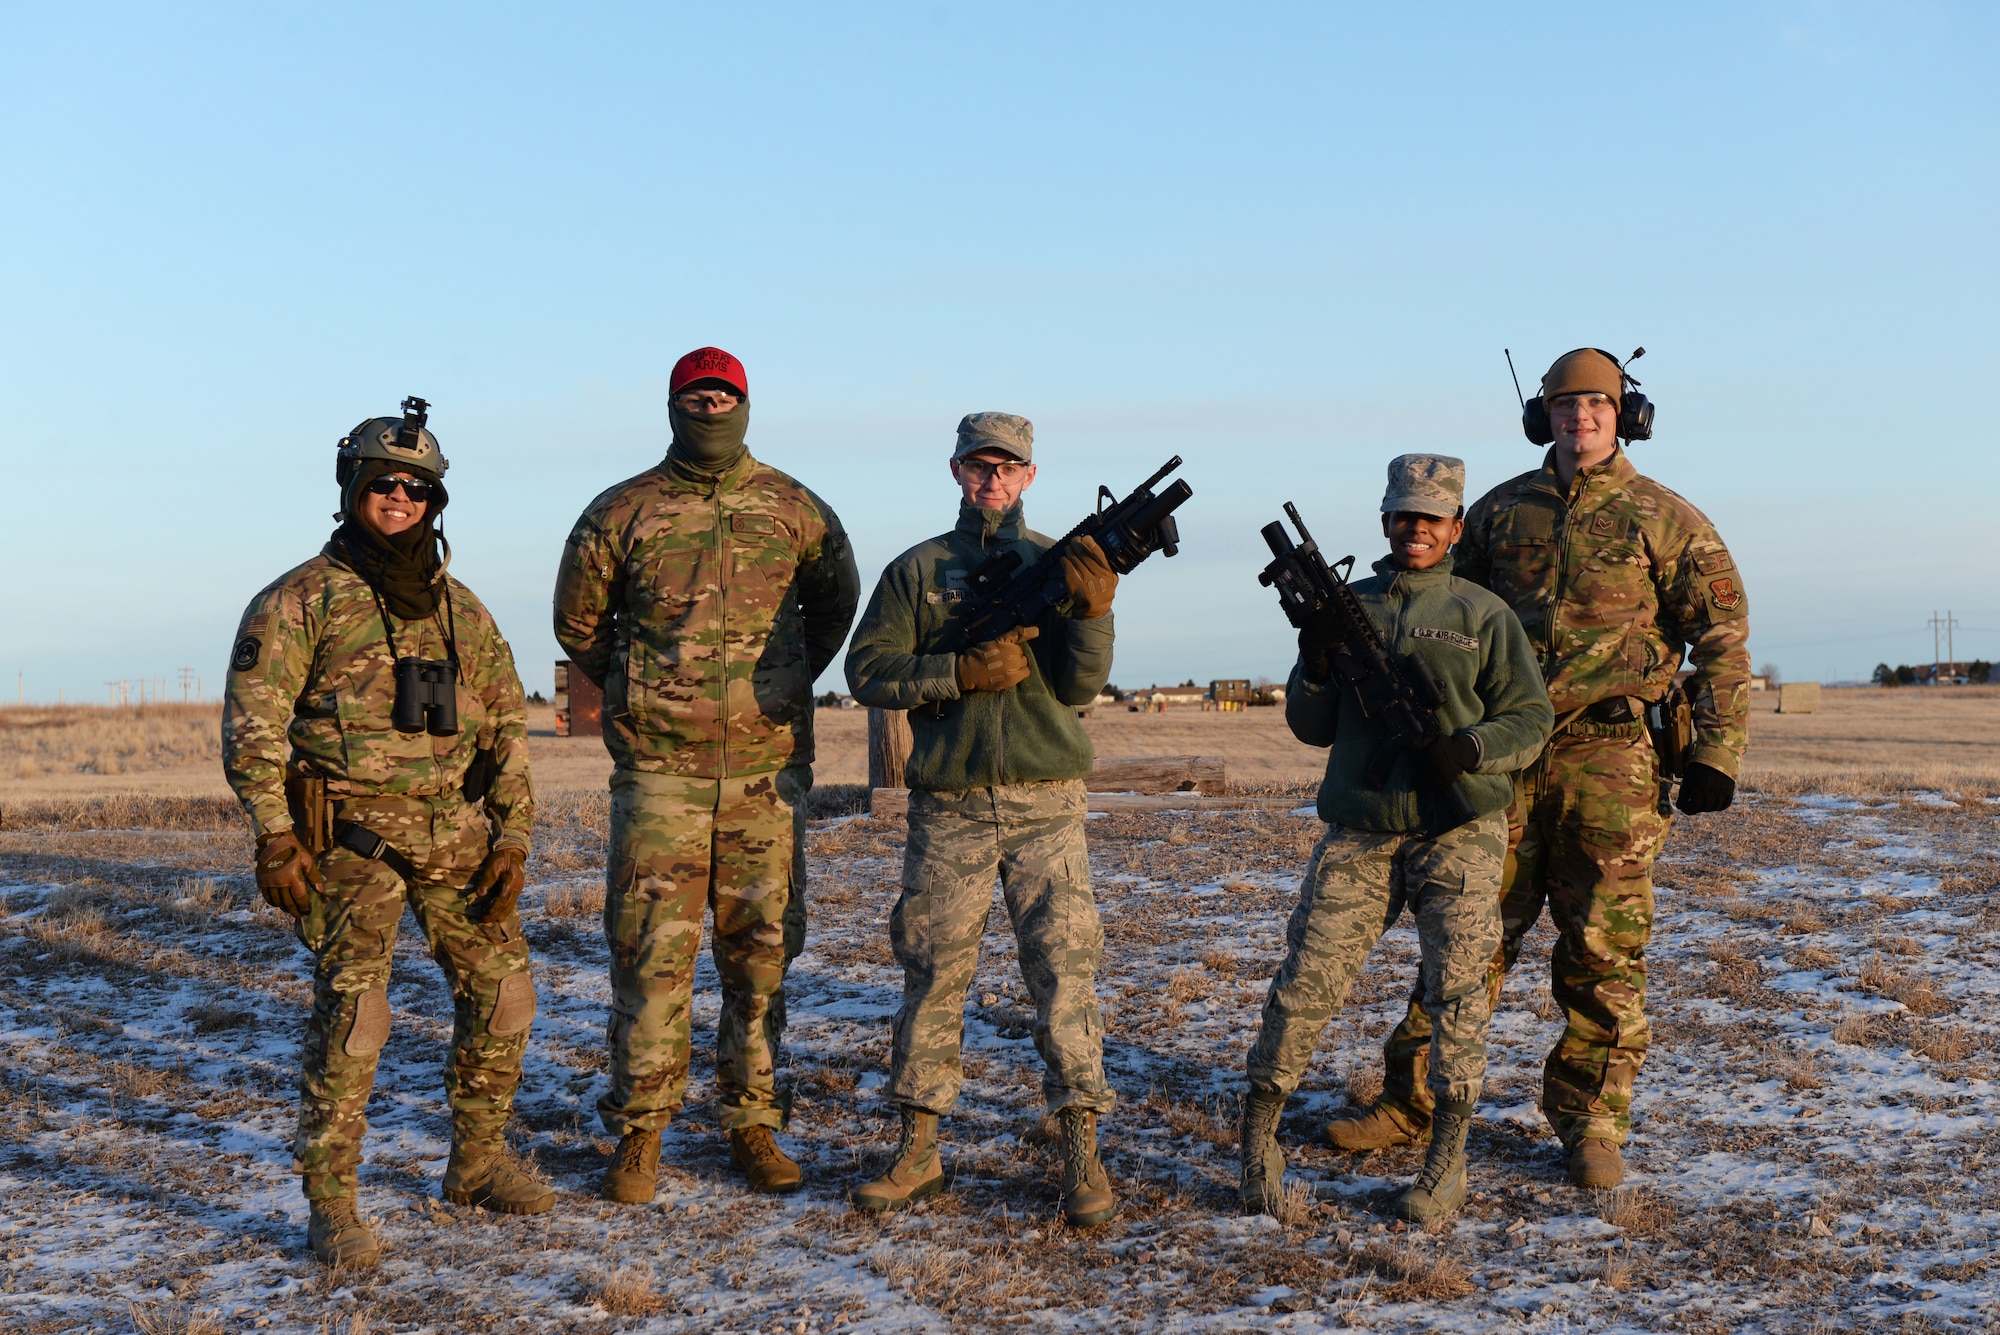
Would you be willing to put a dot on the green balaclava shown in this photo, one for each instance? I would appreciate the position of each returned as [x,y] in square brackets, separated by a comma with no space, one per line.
[704,448]
[403,567]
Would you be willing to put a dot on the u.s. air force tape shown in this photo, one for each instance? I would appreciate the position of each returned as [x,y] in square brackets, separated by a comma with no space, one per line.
[244,657]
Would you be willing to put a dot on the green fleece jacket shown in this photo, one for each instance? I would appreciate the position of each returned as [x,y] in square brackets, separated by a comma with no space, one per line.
[903,656]
[1493,690]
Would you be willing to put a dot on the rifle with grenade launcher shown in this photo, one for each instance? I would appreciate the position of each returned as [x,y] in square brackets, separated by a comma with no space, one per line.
[1404,695]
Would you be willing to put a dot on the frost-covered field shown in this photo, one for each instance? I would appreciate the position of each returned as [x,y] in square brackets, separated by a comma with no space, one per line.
[1815,1123]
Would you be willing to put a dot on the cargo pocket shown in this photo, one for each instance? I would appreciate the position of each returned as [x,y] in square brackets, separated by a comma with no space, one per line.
[369,1030]
[513,1005]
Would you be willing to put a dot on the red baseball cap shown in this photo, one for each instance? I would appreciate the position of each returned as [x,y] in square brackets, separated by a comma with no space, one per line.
[709,364]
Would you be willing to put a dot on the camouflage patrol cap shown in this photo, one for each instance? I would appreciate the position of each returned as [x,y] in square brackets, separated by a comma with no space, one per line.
[1425,484]
[996,431]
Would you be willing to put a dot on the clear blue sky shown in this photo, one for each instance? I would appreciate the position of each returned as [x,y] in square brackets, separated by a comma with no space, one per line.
[1287,242]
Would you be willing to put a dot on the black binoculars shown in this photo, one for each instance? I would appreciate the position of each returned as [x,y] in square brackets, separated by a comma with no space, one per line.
[426,696]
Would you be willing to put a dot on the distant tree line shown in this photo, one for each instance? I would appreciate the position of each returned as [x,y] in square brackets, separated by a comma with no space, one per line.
[1978,672]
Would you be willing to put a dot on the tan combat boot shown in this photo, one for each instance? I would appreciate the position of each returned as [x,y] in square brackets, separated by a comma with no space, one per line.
[1595,1162]
[336,1234]
[754,1150]
[1381,1127]
[1262,1189]
[1087,1198]
[1440,1187]
[635,1169]
[917,1173]
[489,1179]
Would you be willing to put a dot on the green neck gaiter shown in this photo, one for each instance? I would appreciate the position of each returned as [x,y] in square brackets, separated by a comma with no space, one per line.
[705,448]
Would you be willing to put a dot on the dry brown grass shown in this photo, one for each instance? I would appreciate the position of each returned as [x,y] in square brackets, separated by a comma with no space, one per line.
[1798,1069]
[1918,995]
[1943,1042]
[123,811]
[94,739]
[580,900]
[1813,957]
[1415,1271]
[174,1317]
[1364,1084]
[626,1291]
[1640,1211]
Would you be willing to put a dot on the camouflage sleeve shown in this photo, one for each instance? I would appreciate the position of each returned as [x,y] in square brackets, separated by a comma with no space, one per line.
[1076,661]
[883,667]
[1702,592]
[829,591]
[498,685]
[1471,558]
[1518,714]
[1312,708]
[268,668]
[588,594]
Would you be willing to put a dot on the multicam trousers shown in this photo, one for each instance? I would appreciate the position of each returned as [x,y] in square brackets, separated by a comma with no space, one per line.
[1356,886]
[1584,830]
[680,847]
[351,930]
[1031,834]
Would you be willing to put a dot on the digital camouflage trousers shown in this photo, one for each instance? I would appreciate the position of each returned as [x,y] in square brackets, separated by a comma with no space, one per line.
[351,930]
[1356,886]
[681,848]
[1031,836]
[1582,835]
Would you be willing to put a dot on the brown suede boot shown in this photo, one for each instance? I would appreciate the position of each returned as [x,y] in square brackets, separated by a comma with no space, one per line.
[917,1173]
[336,1234]
[1087,1197]
[1380,1127]
[754,1150]
[1595,1162]
[635,1169]
[489,1179]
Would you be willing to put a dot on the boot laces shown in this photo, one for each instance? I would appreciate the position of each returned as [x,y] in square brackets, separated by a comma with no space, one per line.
[339,1212]
[632,1154]
[1078,1154]
[1437,1163]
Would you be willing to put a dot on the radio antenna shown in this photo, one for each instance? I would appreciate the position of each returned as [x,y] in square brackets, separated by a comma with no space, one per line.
[1517,378]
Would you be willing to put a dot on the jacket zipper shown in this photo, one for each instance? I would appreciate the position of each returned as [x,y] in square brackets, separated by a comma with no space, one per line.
[722,632]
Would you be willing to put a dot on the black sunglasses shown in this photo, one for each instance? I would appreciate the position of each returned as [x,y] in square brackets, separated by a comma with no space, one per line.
[416,489]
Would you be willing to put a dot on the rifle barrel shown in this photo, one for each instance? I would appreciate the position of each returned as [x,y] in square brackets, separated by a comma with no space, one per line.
[1165,468]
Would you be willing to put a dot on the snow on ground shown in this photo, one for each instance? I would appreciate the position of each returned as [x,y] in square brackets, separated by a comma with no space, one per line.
[1810,1149]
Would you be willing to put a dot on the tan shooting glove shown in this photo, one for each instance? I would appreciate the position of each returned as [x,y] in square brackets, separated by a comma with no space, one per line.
[286,874]
[497,887]
[997,664]
[1092,582]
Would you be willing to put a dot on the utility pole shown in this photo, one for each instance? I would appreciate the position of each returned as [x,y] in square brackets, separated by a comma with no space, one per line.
[1941,629]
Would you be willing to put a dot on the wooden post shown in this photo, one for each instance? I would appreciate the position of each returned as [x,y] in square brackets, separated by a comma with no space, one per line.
[888,747]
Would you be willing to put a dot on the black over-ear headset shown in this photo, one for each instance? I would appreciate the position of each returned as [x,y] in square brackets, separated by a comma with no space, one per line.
[1635,410]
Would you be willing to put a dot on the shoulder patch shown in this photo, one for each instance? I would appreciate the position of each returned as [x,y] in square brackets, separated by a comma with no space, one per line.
[742,523]
[1448,636]
[1714,563]
[258,624]
[245,655]
[1724,594]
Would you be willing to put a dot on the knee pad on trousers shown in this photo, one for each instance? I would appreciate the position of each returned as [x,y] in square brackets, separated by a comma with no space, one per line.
[513,1005]
[368,1031]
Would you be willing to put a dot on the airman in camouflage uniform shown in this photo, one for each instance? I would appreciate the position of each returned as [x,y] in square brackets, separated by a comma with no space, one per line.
[438,821]
[996,772]
[704,596]
[1383,851]
[1616,579]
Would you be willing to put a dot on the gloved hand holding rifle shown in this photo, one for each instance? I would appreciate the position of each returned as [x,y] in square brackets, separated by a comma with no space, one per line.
[1338,643]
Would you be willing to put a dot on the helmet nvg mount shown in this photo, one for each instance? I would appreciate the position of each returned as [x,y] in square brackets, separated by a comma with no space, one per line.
[406,441]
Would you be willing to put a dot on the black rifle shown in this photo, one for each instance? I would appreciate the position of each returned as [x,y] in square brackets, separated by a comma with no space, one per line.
[1002,593]
[1404,696]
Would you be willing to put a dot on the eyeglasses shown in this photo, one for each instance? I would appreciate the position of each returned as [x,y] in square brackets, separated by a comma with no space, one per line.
[706,398]
[1563,404]
[981,469]
[419,491]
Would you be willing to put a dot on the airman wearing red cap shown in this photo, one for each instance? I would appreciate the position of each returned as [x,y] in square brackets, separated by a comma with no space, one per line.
[704,596]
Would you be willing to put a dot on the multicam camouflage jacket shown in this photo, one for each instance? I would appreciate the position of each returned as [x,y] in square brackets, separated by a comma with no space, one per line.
[312,683]
[1616,578]
[706,611]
